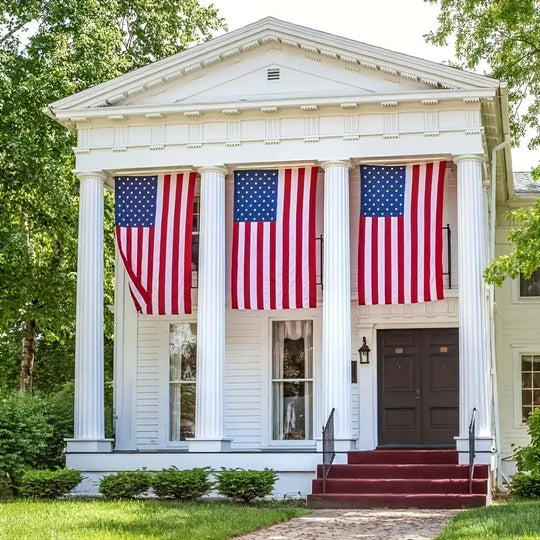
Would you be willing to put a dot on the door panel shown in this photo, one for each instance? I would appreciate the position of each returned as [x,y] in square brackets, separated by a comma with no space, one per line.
[418,386]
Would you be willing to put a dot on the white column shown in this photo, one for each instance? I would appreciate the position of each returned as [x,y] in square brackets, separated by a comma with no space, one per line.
[474,346]
[89,432]
[211,315]
[336,338]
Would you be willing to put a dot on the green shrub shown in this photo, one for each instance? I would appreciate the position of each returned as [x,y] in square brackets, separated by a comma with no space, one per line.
[184,485]
[125,485]
[25,435]
[246,484]
[528,457]
[48,484]
[525,486]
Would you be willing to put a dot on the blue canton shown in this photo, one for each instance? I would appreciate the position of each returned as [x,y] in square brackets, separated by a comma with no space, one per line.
[383,191]
[255,195]
[135,201]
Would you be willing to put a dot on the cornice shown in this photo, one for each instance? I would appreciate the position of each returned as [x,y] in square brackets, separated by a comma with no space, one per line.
[261,33]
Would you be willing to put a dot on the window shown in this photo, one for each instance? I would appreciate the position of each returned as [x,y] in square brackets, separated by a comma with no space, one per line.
[292,380]
[530,286]
[182,380]
[530,384]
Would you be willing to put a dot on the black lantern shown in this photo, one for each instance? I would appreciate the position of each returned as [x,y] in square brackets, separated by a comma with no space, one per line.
[363,351]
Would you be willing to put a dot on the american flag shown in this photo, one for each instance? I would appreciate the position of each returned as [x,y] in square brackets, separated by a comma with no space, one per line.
[273,247]
[400,242]
[154,225]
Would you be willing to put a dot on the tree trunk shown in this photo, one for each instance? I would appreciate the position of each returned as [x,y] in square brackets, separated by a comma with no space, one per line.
[26,369]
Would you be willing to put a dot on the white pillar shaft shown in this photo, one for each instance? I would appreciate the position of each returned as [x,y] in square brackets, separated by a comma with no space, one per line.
[89,399]
[336,356]
[211,307]
[474,361]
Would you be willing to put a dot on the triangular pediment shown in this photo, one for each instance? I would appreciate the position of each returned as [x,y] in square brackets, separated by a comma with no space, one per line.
[273,60]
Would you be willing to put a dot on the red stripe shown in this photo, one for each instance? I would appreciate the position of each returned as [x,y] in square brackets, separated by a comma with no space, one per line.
[387,224]
[176,245]
[247,266]
[259,270]
[273,265]
[188,252]
[163,245]
[438,231]
[374,262]
[129,248]
[299,237]
[414,234]
[285,239]
[312,253]
[427,231]
[401,260]
[361,262]
[139,253]
[234,266]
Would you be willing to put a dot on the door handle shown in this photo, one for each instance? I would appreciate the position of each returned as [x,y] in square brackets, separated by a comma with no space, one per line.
[417,393]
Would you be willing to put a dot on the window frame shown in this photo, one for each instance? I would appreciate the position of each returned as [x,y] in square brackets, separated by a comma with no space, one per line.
[529,349]
[517,291]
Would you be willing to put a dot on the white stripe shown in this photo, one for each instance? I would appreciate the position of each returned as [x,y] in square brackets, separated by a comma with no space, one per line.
[367,260]
[253,267]
[293,240]
[183,273]
[381,263]
[157,246]
[240,266]
[420,224]
[279,240]
[407,277]
[305,238]
[435,232]
[169,243]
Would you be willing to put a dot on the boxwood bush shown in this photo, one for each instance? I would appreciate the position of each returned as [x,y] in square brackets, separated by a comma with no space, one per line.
[48,484]
[184,485]
[246,484]
[125,485]
[525,486]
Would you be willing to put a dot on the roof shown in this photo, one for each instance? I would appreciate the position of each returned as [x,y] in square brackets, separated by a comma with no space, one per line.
[266,30]
[524,184]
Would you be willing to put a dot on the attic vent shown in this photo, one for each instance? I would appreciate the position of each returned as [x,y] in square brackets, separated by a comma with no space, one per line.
[272,74]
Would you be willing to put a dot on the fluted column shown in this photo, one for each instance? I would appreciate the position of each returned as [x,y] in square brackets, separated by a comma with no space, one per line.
[211,314]
[336,338]
[89,428]
[474,346]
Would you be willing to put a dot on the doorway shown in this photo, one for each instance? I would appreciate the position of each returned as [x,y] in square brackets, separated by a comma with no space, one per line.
[418,387]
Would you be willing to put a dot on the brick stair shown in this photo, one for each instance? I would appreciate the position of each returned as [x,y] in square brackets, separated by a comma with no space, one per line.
[400,479]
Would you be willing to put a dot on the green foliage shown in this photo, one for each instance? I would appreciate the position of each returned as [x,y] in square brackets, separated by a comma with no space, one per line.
[49,484]
[525,256]
[50,49]
[183,485]
[125,485]
[525,486]
[246,484]
[25,434]
[505,34]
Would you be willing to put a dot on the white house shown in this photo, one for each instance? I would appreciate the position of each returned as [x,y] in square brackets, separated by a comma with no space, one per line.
[252,387]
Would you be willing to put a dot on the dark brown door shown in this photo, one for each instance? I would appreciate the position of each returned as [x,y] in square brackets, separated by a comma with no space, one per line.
[418,374]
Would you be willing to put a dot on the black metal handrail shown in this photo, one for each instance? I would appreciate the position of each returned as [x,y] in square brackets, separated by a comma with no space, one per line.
[472,449]
[449,254]
[328,444]
[320,239]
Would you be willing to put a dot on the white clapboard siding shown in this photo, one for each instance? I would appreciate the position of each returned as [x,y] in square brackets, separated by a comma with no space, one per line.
[148,381]
[243,379]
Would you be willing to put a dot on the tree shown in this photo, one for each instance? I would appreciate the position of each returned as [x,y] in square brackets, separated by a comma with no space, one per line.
[505,34]
[50,49]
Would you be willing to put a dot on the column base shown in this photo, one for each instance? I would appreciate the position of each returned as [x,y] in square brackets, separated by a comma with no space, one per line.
[209,445]
[89,446]
[485,453]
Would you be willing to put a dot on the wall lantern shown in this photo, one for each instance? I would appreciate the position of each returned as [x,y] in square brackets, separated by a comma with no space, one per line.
[363,351]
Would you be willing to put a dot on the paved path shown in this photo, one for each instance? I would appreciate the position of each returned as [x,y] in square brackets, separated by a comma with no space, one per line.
[372,524]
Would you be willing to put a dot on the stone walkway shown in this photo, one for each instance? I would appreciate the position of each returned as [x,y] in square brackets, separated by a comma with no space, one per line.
[369,524]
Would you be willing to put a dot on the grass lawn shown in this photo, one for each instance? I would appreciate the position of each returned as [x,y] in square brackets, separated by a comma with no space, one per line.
[157,520]
[503,521]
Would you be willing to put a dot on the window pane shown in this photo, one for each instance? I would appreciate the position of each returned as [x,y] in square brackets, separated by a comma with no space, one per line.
[526,379]
[182,376]
[530,286]
[293,403]
[526,363]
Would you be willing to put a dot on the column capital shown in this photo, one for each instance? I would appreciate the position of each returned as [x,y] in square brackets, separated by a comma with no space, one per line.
[478,158]
[213,169]
[87,175]
[347,163]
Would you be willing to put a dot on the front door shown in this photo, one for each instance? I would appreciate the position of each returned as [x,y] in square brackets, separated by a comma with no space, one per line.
[418,376]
